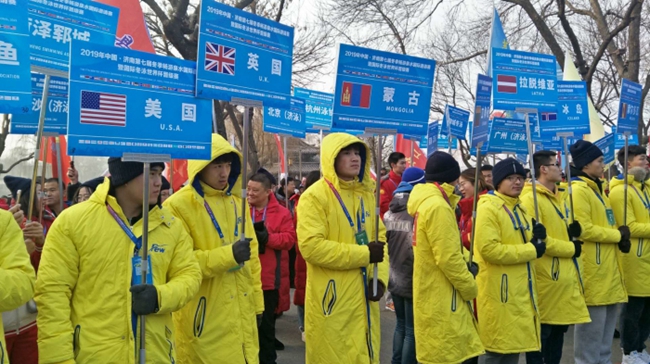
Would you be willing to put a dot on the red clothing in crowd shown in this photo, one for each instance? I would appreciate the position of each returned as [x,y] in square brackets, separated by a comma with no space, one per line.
[388,186]
[465,223]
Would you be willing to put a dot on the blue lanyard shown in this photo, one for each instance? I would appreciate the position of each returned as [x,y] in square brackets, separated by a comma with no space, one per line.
[127,230]
[645,201]
[360,220]
[216,223]
[558,210]
[512,218]
[596,193]
[263,215]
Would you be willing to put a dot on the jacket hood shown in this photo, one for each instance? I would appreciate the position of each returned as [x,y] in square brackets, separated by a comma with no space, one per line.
[403,187]
[498,199]
[220,146]
[332,146]
[620,181]
[399,201]
[541,189]
[422,192]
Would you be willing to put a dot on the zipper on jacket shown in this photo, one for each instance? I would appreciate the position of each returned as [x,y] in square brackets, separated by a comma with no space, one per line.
[639,250]
[329,298]
[504,288]
[453,300]
[199,317]
[598,253]
[171,352]
[75,341]
[555,269]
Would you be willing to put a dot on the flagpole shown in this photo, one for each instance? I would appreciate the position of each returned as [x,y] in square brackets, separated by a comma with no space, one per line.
[475,202]
[39,139]
[58,169]
[46,141]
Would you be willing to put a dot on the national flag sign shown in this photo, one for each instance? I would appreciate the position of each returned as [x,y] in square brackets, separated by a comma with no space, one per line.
[219,59]
[507,84]
[549,116]
[102,108]
[356,94]
[623,110]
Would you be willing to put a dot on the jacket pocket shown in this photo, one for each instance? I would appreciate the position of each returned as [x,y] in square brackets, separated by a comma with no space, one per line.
[555,269]
[504,288]
[639,250]
[598,253]
[199,317]
[75,340]
[329,298]
[454,300]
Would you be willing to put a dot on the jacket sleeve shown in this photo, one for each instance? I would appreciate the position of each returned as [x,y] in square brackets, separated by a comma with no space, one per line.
[316,248]
[57,278]
[559,248]
[554,247]
[488,242]
[382,273]
[16,272]
[254,264]
[583,214]
[183,276]
[286,237]
[617,198]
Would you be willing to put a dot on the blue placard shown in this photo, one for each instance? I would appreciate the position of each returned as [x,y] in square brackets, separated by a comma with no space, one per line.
[318,107]
[522,158]
[243,55]
[629,107]
[286,121]
[507,136]
[382,90]
[523,80]
[443,142]
[125,101]
[15,91]
[482,108]
[433,131]
[573,110]
[535,126]
[458,119]
[334,130]
[484,147]
[620,139]
[53,24]
[56,115]
[423,143]
[606,145]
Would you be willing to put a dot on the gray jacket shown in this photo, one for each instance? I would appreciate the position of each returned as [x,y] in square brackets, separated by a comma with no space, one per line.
[399,233]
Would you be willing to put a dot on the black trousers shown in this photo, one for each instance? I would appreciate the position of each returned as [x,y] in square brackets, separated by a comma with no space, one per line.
[552,343]
[635,324]
[266,331]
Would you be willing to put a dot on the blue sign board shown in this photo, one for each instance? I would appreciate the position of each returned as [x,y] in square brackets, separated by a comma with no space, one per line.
[382,90]
[423,142]
[606,145]
[53,24]
[318,107]
[573,110]
[286,121]
[334,130]
[507,136]
[620,139]
[522,158]
[243,55]
[56,115]
[15,88]
[482,110]
[443,142]
[523,80]
[629,107]
[125,101]
[433,132]
[484,147]
[457,123]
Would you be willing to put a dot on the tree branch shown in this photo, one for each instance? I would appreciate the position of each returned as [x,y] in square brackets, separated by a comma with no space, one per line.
[279,16]
[243,3]
[575,44]
[21,160]
[391,25]
[160,13]
[580,11]
[463,59]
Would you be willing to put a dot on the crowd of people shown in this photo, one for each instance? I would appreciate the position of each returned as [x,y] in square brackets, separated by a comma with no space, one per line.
[468,285]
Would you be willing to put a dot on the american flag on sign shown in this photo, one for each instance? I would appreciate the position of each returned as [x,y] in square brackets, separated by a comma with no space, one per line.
[220,59]
[102,108]
[507,84]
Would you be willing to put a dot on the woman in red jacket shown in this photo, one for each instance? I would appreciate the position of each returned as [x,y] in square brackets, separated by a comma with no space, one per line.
[466,188]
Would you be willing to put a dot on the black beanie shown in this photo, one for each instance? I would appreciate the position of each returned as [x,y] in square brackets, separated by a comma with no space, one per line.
[165,184]
[124,172]
[18,183]
[268,175]
[583,153]
[93,183]
[441,167]
[505,168]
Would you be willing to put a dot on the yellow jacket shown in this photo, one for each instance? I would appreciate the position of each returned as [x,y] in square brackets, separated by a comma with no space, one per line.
[336,309]
[559,282]
[508,320]
[443,287]
[82,291]
[636,263]
[219,323]
[16,272]
[601,269]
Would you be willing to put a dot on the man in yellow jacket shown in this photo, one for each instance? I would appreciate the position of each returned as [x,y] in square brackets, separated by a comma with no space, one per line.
[602,272]
[335,224]
[219,325]
[508,240]
[443,287]
[635,314]
[91,261]
[559,283]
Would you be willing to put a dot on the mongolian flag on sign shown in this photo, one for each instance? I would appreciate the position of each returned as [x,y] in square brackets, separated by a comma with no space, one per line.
[356,95]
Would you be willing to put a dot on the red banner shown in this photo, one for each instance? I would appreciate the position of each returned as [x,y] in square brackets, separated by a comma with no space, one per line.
[52,159]
[278,142]
[404,146]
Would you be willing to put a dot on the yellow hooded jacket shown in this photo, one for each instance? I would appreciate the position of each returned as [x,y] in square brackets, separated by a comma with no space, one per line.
[559,281]
[16,272]
[601,269]
[82,291]
[443,287]
[508,319]
[342,325]
[636,263]
[219,324]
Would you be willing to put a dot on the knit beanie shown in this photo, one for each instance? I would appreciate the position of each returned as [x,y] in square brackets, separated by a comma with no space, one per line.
[165,184]
[124,172]
[583,153]
[413,176]
[442,167]
[505,168]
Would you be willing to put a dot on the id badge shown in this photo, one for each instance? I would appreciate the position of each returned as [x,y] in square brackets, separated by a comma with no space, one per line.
[361,237]
[136,262]
[610,217]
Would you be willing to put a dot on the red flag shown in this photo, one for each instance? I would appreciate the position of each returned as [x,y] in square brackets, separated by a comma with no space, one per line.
[132,30]
[278,142]
[404,146]
[51,156]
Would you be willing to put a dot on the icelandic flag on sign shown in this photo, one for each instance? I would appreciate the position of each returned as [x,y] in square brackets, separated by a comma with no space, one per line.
[356,94]
[549,116]
[507,84]
[220,59]
[102,108]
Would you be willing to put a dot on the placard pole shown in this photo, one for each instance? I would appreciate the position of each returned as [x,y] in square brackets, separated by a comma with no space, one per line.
[171,175]
[145,254]
[477,173]
[565,143]
[244,201]
[412,151]
[59,171]
[321,148]
[286,175]
[627,136]
[377,209]
[300,160]
[46,141]
[39,137]
[532,169]
[449,137]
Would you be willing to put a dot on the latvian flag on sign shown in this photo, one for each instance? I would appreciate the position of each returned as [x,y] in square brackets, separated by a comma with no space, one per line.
[507,84]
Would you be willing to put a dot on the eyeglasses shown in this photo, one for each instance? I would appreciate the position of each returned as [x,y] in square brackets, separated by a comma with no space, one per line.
[515,178]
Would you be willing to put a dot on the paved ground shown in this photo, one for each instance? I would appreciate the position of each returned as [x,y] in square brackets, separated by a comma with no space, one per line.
[294,353]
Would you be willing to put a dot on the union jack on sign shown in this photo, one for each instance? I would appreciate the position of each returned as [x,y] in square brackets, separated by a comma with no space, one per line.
[220,59]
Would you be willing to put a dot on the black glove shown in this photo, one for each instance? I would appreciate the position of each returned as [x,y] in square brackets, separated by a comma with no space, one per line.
[578,245]
[376,252]
[624,246]
[144,299]
[540,246]
[625,232]
[259,319]
[575,229]
[242,250]
[380,292]
[262,236]
[539,231]
[473,268]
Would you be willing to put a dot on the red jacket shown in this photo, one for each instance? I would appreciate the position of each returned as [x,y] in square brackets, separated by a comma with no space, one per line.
[388,186]
[465,223]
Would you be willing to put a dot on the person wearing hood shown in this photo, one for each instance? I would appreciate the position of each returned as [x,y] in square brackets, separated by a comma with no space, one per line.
[89,293]
[602,273]
[635,314]
[399,232]
[466,184]
[508,241]
[220,322]
[558,277]
[443,283]
[337,221]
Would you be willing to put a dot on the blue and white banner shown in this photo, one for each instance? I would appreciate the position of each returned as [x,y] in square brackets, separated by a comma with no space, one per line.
[318,107]
[456,124]
[629,107]
[573,110]
[620,139]
[507,136]
[433,132]
[482,109]
[606,145]
[289,122]
[56,114]
[15,83]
